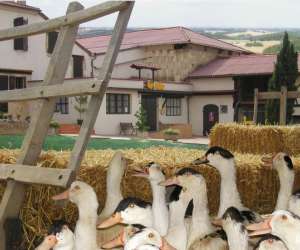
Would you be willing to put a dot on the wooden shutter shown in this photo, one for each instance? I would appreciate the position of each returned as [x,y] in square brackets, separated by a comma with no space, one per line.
[20,43]
[78,66]
[52,38]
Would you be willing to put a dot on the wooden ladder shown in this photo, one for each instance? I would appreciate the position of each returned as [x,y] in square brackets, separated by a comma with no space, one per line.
[25,171]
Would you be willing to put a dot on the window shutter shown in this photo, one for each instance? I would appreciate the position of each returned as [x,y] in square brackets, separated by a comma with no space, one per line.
[77,66]
[52,38]
[20,43]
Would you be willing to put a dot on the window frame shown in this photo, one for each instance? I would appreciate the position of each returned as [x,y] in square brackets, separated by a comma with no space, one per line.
[173,106]
[116,104]
[20,44]
[62,105]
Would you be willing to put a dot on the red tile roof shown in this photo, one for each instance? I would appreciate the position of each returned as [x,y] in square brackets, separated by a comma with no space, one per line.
[23,6]
[174,35]
[237,65]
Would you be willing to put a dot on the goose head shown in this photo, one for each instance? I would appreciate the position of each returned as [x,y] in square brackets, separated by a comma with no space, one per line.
[81,194]
[217,157]
[48,243]
[270,242]
[130,211]
[280,162]
[282,224]
[124,236]
[232,221]
[147,236]
[151,171]
[64,235]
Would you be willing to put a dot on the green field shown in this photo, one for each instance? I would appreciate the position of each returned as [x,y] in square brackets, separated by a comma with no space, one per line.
[66,143]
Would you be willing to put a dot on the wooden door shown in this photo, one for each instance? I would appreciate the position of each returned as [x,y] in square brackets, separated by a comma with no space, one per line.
[149,104]
[210,117]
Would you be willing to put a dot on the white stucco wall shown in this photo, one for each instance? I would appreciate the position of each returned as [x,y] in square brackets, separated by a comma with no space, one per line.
[197,104]
[208,84]
[36,58]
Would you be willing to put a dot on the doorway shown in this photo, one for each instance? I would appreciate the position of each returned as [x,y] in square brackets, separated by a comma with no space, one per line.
[210,117]
[149,104]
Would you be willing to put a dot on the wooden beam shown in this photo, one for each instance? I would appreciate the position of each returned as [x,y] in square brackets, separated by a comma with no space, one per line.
[34,174]
[283,105]
[70,19]
[96,100]
[32,145]
[255,106]
[293,94]
[40,92]
[269,95]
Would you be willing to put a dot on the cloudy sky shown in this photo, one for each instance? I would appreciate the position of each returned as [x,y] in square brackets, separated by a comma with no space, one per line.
[195,13]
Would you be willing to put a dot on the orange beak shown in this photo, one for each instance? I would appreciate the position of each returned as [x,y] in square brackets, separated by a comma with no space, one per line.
[111,221]
[268,160]
[116,242]
[202,160]
[166,246]
[169,182]
[62,196]
[50,241]
[217,222]
[260,228]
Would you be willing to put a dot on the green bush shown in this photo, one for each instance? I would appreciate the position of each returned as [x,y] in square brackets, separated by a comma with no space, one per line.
[254,44]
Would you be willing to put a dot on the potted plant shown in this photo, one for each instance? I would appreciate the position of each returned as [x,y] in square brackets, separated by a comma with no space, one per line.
[53,128]
[141,123]
[171,134]
[80,106]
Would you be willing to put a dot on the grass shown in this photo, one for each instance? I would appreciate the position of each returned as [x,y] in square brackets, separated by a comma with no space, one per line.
[66,143]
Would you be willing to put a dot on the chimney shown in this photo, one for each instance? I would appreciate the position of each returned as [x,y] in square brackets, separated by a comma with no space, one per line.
[22,2]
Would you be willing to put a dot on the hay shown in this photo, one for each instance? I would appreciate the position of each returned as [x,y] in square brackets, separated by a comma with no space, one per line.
[258,186]
[256,139]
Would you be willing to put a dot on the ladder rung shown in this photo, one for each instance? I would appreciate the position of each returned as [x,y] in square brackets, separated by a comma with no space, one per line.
[35,174]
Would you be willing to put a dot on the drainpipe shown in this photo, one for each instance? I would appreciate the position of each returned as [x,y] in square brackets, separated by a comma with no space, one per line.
[188,109]
[93,58]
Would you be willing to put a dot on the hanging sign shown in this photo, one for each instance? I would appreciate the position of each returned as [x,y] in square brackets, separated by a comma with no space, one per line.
[155,85]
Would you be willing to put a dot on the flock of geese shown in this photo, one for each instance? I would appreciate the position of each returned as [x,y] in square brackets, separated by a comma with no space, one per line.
[178,217]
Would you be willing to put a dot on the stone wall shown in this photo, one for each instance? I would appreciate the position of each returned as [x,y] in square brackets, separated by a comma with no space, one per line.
[176,64]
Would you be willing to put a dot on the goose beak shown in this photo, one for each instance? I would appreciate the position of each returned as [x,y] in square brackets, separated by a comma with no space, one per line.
[166,246]
[217,222]
[140,172]
[111,221]
[62,196]
[116,242]
[260,228]
[170,182]
[202,160]
[51,241]
[268,160]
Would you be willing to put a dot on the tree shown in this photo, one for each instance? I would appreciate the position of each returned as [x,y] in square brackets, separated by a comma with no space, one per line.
[141,123]
[80,106]
[285,74]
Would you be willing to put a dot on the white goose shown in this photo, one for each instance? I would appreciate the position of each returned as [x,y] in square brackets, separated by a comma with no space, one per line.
[48,243]
[154,174]
[270,242]
[146,237]
[130,211]
[283,164]
[114,176]
[84,196]
[200,232]
[223,161]
[282,224]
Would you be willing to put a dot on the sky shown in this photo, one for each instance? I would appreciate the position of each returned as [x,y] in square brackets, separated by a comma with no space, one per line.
[194,13]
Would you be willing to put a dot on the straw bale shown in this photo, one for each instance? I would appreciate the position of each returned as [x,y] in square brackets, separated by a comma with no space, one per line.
[257,185]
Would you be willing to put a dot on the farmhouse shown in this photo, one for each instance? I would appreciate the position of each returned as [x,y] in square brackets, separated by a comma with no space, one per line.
[183,79]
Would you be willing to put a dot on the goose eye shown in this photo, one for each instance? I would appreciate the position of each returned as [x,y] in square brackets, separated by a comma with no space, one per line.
[284,217]
[184,189]
[150,235]
[76,187]
[131,205]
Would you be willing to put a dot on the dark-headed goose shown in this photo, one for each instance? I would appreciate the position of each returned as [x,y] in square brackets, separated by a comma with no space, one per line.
[270,242]
[223,161]
[64,236]
[283,164]
[147,236]
[84,196]
[200,232]
[48,243]
[282,224]
[154,174]
[130,211]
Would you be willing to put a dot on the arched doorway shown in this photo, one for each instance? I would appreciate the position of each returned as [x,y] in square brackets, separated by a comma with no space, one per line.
[210,117]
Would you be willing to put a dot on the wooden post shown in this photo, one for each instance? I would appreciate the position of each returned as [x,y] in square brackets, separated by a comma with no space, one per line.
[33,141]
[255,106]
[283,105]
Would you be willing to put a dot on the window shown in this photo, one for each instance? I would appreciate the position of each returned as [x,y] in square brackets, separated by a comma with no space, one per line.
[20,43]
[62,106]
[224,109]
[78,66]
[4,86]
[173,106]
[52,38]
[117,104]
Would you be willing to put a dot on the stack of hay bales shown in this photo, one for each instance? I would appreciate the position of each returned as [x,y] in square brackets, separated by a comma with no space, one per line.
[257,185]
[256,139]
